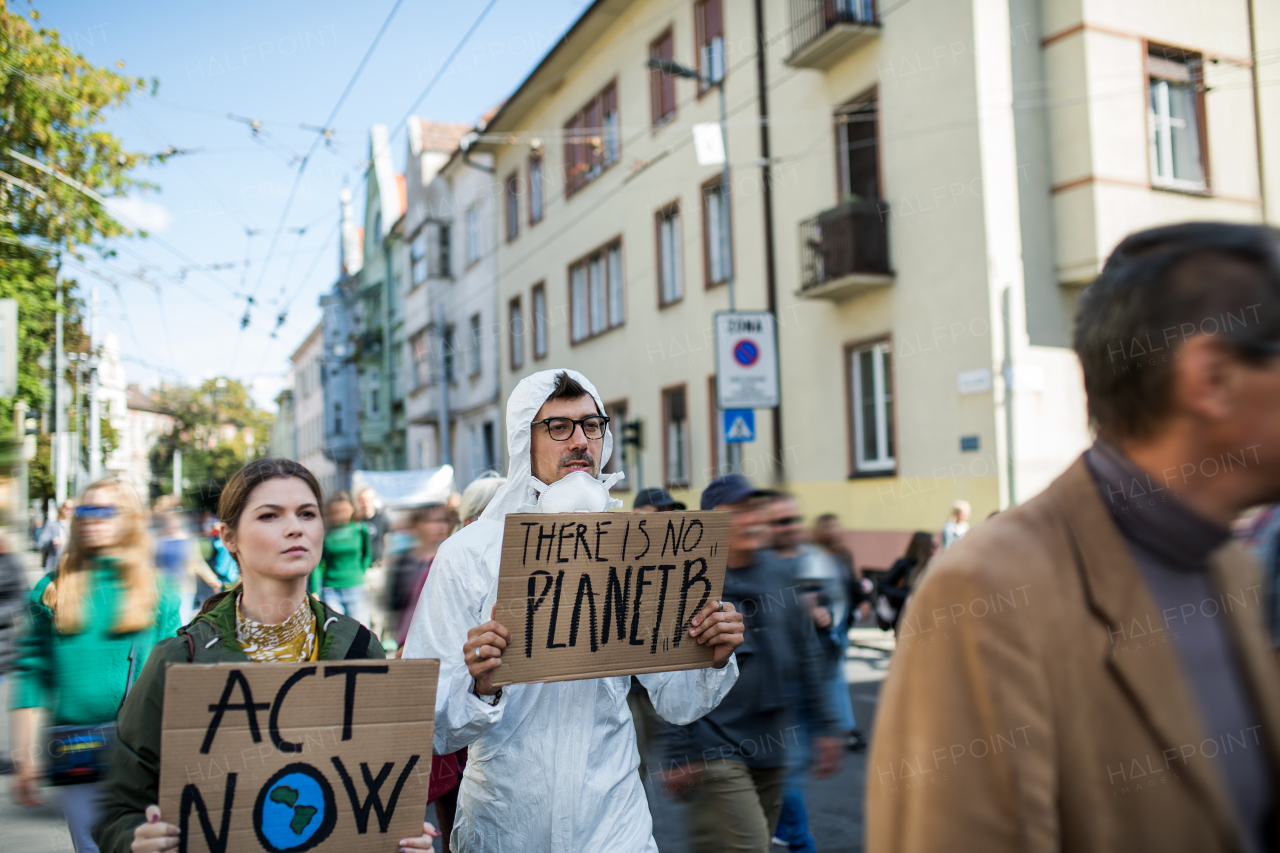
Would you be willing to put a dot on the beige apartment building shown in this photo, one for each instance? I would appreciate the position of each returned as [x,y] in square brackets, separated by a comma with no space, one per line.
[944,178]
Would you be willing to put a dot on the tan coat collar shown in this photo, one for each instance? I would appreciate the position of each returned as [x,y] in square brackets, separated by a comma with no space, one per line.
[1155,678]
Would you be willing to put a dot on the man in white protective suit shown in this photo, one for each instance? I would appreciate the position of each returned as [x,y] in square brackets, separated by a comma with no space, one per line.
[551,767]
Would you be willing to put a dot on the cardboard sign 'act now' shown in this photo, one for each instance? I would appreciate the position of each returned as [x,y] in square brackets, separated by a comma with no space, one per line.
[297,756]
[587,595]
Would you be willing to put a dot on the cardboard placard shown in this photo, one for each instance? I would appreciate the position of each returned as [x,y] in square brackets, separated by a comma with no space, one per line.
[587,595]
[297,756]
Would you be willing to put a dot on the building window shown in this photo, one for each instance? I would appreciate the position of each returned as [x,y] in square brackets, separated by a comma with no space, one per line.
[662,87]
[420,369]
[871,395]
[473,358]
[490,458]
[513,206]
[337,419]
[516,319]
[670,278]
[375,382]
[440,256]
[539,321]
[592,143]
[708,19]
[1174,115]
[718,248]
[417,255]
[447,350]
[473,235]
[595,293]
[675,438]
[535,189]
[857,150]
[617,414]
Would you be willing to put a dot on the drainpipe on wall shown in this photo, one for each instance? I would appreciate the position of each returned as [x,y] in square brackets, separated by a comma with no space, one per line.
[1006,305]
[1257,107]
[770,264]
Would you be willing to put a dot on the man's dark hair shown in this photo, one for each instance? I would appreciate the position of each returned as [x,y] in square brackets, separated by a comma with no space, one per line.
[1159,288]
[568,388]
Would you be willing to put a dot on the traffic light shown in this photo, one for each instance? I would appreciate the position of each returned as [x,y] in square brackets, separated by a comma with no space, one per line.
[633,434]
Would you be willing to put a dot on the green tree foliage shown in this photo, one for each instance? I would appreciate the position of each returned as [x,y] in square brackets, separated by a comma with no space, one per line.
[219,429]
[52,103]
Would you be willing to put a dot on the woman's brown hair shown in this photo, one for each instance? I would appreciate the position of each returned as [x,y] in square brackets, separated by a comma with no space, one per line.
[235,497]
[65,594]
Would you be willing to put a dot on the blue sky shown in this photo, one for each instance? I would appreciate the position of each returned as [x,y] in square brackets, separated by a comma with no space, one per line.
[281,64]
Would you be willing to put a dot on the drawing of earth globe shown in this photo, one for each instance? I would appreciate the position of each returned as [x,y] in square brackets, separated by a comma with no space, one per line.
[294,810]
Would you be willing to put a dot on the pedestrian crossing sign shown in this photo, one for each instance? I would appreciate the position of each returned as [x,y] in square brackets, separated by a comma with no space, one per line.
[739,425]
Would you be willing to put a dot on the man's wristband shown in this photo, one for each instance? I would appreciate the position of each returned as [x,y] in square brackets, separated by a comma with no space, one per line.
[491,701]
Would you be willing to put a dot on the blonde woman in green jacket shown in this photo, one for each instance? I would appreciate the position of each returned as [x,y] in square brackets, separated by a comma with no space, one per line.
[93,623]
[270,511]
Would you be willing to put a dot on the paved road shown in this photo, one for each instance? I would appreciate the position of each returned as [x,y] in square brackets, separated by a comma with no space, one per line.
[835,804]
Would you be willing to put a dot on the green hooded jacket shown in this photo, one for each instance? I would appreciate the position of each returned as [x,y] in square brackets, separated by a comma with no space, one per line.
[133,782]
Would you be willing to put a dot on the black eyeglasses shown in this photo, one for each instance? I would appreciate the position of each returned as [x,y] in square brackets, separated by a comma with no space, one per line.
[786,522]
[561,429]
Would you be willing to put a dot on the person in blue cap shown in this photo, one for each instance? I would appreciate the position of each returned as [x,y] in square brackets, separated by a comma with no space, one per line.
[733,800]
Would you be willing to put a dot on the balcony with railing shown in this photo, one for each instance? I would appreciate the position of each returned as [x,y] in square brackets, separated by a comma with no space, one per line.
[844,251]
[825,31]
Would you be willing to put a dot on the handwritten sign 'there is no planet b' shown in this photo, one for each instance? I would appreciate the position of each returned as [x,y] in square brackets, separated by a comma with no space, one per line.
[297,756]
[587,595]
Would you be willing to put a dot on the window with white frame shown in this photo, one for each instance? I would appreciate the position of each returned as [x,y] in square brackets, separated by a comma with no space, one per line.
[375,383]
[512,201]
[716,232]
[473,235]
[596,293]
[675,418]
[535,189]
[477,341]
[516,322]
[539,321]
[420,368]
[1174,120]
[670,278]
[709,31]
[871,394]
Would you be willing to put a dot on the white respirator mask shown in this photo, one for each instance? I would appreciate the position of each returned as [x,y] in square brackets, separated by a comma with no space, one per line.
[578,492]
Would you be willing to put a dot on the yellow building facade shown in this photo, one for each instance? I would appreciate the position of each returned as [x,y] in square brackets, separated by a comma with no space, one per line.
[944,176]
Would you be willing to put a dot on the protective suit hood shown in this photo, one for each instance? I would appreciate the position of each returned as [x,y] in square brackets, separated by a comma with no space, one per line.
[519,494]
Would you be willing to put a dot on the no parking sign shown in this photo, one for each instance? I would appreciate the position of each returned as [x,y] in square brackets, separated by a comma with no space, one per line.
[746,360]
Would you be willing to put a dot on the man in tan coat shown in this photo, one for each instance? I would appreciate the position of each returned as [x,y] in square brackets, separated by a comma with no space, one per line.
[1089,671]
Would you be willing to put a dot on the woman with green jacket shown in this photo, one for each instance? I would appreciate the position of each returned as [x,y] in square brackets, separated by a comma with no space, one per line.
[270,513]
[348,553]
[93,623]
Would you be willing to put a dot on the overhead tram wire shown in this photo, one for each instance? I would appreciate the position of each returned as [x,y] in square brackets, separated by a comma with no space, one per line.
[302,167]
[435,78]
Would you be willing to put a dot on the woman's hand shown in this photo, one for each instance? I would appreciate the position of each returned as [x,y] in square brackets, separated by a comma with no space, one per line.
[422,842]
[720,625]
[26,786]
[154,836]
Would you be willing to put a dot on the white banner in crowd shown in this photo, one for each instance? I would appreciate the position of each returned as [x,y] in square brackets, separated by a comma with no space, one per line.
[399,489]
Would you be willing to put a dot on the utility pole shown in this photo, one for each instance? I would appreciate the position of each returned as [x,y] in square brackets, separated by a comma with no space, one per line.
[58,448]
[95,407]
[177,473]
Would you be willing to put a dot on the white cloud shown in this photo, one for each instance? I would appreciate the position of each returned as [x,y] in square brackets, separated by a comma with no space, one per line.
[136,213]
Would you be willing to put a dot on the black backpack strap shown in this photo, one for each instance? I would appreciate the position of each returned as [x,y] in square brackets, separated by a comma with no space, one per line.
[360,645]
[191,647]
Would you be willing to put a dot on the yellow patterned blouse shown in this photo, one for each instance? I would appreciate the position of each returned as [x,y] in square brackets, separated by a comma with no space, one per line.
[294,639]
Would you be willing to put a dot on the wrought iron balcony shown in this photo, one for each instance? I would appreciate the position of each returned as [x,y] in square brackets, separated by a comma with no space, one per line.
[825,31]
[845,250]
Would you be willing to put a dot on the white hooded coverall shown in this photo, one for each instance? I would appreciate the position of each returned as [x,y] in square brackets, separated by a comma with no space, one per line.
[552,767]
